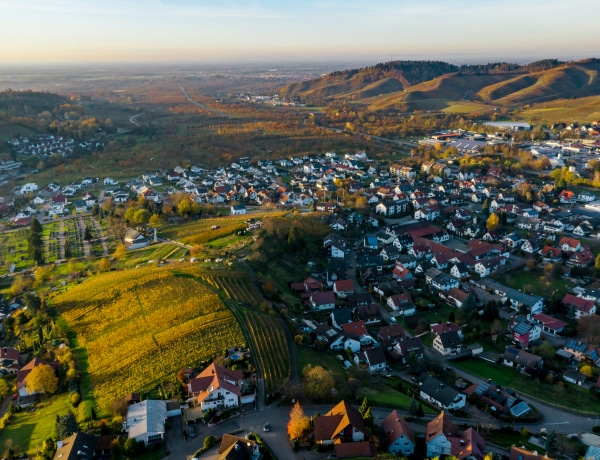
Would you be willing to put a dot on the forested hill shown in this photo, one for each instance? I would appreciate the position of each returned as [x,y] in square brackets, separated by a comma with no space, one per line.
[435,80]
[28,103]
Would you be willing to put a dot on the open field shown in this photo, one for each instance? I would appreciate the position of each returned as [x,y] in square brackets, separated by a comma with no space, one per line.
[141,326]
[580,399]
[534,284]
[27,430]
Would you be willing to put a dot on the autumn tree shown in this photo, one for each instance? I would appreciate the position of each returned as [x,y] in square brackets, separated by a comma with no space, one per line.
[492,222]
[4,388]
[42,379]
[120,252]
[317,382]
[299,423]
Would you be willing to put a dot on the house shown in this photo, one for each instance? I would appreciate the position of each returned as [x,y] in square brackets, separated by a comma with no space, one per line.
[146,421]
[135,240]
[402,303]
[398,437]
[549,324]
[448,343]
[9,360]
[455,297]
[442,328]
[322,300]
[343,288]
[238,209]
[390,335]
[340,316]
[522,360]
[567,197]
[525,330]
[520,453]
[569,245]
[235,448]
[487,266]
[459,270]
[572,376]
[439,280]
[21,382]
[533,304]
[218,388]
[408,347]
[441,395]
[578,306]
[78,446]
[342,424]
[551,254]
[583,258]
[442,438]
[369,314]
[372,358]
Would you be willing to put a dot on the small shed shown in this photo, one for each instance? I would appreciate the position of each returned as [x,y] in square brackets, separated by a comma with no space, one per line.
[475,348]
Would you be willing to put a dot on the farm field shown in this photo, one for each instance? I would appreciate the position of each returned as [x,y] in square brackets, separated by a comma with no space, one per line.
[141,326]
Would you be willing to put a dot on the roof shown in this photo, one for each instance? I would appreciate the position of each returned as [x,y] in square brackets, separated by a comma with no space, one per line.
[440,425]
[333,422]
[146,417]
[78,446]
[438,391]
[355,449]
[343,285]
[578,302]
[25,370]
[395,426]
[442,328]
[549,322]
[519,453]
[234,448]
[323,298]
[355,329]
[215,376]
[450,339]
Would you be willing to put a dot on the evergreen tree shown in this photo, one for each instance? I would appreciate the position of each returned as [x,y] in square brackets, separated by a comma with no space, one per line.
[420,412]
[412,409]
[34,242]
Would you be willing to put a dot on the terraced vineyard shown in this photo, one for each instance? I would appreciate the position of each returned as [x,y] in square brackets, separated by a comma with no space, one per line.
[141,326]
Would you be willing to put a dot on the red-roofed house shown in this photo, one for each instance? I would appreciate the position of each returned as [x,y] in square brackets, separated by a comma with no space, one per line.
[343,288]
[402,303]
[9,360]
[567,197]
[322,300]
[582,258]
[549,324]
[24,372]
[398,437]
[443,328]
[341,424]
[581,306]
[219,388]
[569,245]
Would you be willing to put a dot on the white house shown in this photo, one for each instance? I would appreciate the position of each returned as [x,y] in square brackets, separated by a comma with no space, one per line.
[442,395]
[146,421]
[238,209]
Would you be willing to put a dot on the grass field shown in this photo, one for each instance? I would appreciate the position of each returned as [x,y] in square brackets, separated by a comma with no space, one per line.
[141,326]
[562,394]
[153,252]
[15,251]
[27,430]
[534,284]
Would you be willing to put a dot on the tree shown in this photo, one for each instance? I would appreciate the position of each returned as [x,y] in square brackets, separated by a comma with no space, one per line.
[545,350]
[364,406]
[317,382]
[420,411]
[104,265]
[597,264]
[4,388]
[141,216]
[42,379]
[66,425]
[87,233]
[120,252]
[68,252]
[299,423]
[412,409]
[469,306]
[492,222]
[34,242]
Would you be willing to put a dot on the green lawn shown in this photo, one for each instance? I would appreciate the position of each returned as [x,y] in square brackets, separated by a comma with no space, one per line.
[534,284]
[560,393]
[27,430]
[314,357]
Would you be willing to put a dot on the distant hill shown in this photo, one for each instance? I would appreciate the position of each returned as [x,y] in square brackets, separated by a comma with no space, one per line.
[435,85]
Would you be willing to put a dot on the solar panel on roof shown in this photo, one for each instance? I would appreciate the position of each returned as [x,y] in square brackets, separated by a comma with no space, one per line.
[510,401]
[482,388]
[520,409]
[594,355]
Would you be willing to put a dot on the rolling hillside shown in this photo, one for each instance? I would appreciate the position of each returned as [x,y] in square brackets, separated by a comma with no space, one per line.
[437,86]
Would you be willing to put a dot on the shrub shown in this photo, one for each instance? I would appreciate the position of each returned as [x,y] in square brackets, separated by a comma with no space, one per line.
[74,398]
[209,441]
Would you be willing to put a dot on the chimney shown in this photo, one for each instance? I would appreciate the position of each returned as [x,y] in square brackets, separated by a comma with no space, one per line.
[462,442]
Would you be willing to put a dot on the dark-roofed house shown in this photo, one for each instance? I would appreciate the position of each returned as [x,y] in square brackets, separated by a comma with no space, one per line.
[340,316]
[448,343]
[370,314]
[372,358]
[398,437]
[135,240]
[441,395]
[410,346]
[78,446]
[362,449]
[389,335]
[522,360]
[341,424]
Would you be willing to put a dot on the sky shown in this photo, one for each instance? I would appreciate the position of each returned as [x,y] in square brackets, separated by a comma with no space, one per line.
[80,31]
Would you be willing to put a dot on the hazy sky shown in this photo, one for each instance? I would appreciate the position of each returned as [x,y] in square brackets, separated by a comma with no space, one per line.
[157,30]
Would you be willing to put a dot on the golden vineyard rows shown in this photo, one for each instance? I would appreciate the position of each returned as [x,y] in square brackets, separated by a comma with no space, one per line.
[140,327]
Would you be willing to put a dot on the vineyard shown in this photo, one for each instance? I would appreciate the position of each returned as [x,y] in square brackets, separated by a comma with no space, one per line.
[265,333]
[141,326]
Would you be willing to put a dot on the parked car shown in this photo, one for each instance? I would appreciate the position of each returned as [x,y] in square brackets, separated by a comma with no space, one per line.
[267,427]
